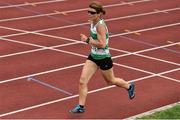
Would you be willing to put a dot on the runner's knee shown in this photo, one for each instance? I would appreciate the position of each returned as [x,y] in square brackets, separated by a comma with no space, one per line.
[113,82]
[83,80]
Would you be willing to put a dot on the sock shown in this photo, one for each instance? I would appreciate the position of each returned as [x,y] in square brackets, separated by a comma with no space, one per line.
[82,106]
[129,87]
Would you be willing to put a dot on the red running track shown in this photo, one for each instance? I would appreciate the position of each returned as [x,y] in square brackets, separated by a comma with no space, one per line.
[155,71]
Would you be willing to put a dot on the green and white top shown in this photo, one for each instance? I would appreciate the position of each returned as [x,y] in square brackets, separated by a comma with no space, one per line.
[99,53]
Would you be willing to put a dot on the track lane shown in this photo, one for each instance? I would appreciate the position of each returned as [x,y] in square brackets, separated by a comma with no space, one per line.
[71,18]
[54,70]
[4,32]
[175,75]
[165,55]
[145,63]
[70,49]
[39,9]
[9,47]
[34,63]
[27,3]
[125,24]
[148,39]
[152,37]
[40,40]
[15,2]
[58,79]
[149,102]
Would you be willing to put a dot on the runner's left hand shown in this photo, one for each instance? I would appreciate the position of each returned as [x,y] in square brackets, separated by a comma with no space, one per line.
[83,37]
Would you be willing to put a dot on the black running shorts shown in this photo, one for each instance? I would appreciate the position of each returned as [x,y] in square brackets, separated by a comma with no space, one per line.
[104,64]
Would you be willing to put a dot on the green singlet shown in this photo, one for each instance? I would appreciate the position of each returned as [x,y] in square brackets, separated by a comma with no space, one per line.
[99,53]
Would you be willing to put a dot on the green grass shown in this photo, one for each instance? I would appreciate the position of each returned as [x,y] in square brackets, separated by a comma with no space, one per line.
[172,113]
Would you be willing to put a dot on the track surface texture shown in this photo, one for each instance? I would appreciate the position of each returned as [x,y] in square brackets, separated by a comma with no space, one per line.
[40,39]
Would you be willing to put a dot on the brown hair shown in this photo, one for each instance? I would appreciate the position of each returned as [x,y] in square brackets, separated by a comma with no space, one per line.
[98,7]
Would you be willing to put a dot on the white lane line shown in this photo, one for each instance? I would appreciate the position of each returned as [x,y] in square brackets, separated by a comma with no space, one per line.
[41,34]
[74,96]
[25,43]
[118,18]
[115,35]
[72,53]
[33,32]
[56,50]
[148,72]
[40,73]
[35,50]
[144,56]
[172,79]
[148,29]
[153,111]
[110,19]
[157,59]
[72,40]
[35,3]
[73,43]
[142,30]
[69,11]
[21,53]
[141,51]
[20,42]
[86,23]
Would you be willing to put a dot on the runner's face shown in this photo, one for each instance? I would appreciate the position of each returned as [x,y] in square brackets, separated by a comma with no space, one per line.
[93,16]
